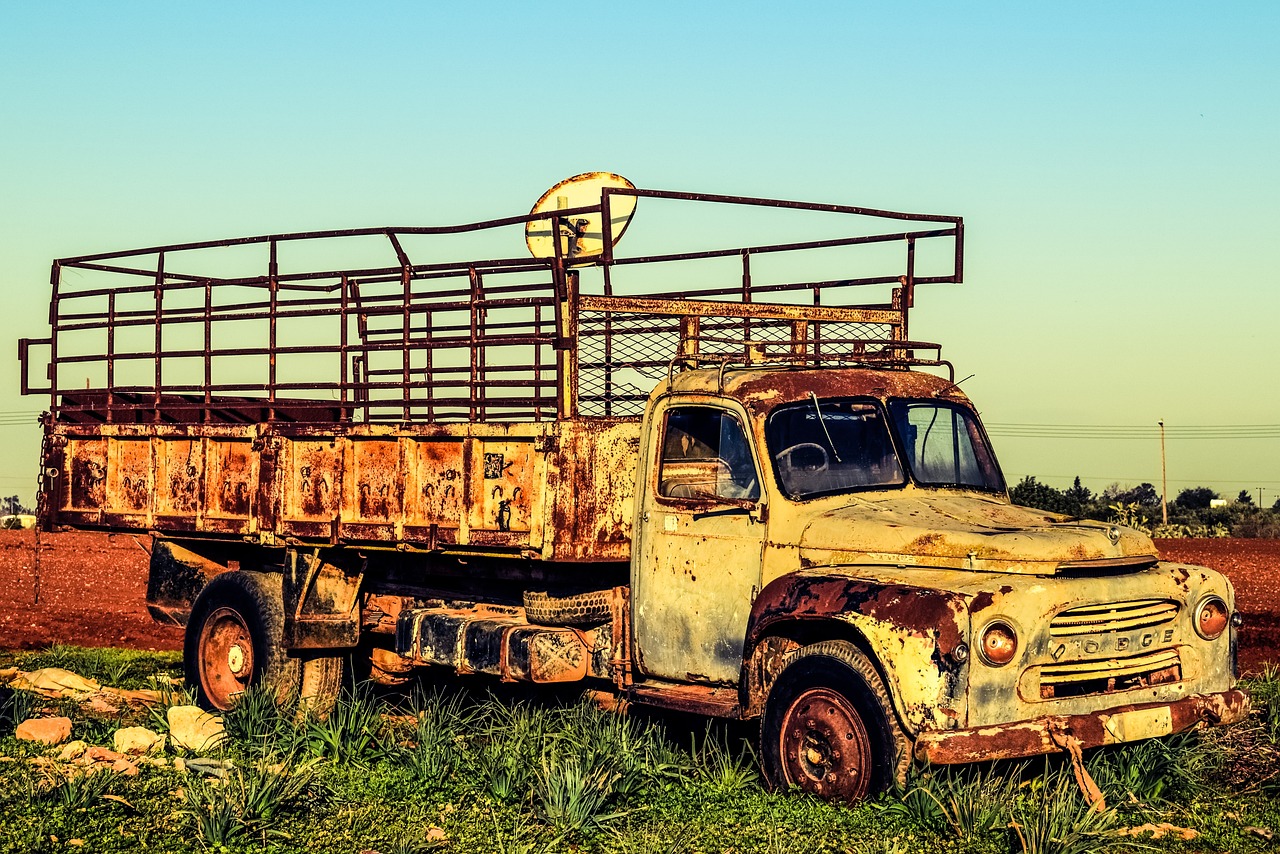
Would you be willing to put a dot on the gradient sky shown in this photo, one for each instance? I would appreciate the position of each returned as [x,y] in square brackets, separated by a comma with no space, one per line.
[1117,166]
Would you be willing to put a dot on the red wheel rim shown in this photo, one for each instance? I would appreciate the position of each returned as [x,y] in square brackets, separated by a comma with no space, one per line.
[226,657]
[824,746]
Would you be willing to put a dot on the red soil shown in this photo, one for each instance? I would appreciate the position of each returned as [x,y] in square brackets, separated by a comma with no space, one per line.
[92,588]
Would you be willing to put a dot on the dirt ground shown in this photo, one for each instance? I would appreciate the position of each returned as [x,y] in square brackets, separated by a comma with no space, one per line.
[92,588]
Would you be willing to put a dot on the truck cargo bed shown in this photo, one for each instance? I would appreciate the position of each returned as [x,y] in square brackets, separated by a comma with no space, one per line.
[554,490]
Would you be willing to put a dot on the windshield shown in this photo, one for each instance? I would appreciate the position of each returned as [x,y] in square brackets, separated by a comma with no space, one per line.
[944,445]
[831,445]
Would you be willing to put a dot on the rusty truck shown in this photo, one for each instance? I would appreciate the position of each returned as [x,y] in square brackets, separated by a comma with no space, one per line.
[716,476]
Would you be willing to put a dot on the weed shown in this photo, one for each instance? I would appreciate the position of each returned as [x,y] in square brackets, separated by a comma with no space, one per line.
[440,723]
[78,791]
[15,707]
[247,803]
[1153,771]
[262,724]
[509,754]
[1055,819]
[965,802]
[1265,692]
[349,733]
[571,792]
[718,769]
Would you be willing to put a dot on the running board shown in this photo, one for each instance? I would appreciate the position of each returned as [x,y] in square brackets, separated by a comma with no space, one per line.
[697,699]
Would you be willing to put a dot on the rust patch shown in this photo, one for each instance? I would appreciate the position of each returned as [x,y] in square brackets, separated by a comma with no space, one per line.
[810,596]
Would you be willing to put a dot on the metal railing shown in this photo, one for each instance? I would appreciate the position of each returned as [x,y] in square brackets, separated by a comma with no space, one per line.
[143,336]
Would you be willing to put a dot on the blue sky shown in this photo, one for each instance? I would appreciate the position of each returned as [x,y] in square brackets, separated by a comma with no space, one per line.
[1116,165]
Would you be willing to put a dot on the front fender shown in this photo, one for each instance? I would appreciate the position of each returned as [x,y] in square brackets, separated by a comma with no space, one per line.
[911,632]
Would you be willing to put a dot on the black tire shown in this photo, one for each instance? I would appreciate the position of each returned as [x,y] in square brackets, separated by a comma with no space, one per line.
[234,640]
[579,609]
[829,727]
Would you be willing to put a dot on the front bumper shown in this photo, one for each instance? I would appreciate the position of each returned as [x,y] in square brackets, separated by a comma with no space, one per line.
[1110,726]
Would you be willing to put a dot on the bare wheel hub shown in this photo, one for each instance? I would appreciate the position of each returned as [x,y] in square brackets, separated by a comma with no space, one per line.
[236,659]
[824,746]
[226,660]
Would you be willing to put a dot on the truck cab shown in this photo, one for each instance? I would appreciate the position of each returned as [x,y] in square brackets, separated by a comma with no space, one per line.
[863,511]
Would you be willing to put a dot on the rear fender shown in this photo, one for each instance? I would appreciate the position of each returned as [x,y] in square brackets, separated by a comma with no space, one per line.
[911,633]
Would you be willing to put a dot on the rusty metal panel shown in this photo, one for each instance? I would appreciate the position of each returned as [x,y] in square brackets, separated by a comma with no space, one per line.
[591,491]
[130,473]
[433,504]
[311,487]
[559,490]
[180,478]
[232,474]
[505,486]
[86,460]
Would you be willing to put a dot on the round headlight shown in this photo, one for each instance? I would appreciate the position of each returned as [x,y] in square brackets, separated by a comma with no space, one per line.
[1212,618]
[999,643]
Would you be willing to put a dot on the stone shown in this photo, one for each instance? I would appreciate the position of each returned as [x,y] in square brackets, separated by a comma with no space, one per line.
[72,750]
[56,682]
[44,730]
[136,740]
[101,754]
[192,728]
[125,767]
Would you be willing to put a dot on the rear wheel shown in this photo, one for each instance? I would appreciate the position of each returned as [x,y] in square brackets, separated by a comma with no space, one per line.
[234,640]
[829,727]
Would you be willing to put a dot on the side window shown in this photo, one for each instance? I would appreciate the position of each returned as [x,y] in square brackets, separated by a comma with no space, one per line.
[705,455]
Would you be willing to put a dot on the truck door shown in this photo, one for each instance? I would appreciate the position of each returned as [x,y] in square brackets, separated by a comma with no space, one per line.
[696,565]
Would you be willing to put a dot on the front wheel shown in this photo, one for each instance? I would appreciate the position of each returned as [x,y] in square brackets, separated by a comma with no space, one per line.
[829,727]
[234,640]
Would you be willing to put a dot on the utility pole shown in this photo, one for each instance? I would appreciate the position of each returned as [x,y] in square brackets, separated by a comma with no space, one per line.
[1164,480]
[1259,497]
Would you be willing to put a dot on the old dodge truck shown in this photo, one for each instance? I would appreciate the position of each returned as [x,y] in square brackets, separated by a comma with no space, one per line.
[698,479]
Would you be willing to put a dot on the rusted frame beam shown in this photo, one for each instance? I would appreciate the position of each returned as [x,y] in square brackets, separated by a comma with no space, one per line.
[711,308]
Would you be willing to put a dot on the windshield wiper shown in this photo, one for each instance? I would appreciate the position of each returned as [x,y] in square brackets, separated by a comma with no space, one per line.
[822,421]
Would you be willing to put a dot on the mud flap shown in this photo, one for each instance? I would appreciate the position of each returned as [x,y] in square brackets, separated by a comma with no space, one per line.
[321,603]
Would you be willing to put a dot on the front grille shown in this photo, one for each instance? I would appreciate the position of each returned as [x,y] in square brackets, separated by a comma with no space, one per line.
[1113,617]
[1105,676]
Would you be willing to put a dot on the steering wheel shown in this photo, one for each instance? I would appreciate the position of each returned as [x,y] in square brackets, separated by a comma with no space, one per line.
[826,460]
[746,488]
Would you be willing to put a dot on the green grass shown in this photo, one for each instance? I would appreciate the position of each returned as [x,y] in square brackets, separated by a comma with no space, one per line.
[454,768]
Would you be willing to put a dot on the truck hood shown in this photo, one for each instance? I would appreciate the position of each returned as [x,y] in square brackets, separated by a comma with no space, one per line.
[964,531]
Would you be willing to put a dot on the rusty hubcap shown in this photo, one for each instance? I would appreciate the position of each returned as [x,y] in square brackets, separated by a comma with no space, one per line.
[226,657]
[825,748]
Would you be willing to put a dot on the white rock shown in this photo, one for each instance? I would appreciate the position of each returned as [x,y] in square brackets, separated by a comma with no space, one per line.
[136,740]
[193,728]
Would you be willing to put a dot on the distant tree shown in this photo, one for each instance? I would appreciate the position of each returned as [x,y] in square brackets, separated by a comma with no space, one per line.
[13,505]
[1195,498]
[1144,495]
[1031,493]
[1244,497]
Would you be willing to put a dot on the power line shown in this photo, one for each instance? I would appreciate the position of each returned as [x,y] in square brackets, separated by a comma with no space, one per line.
[1081,431]
[1143,479]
